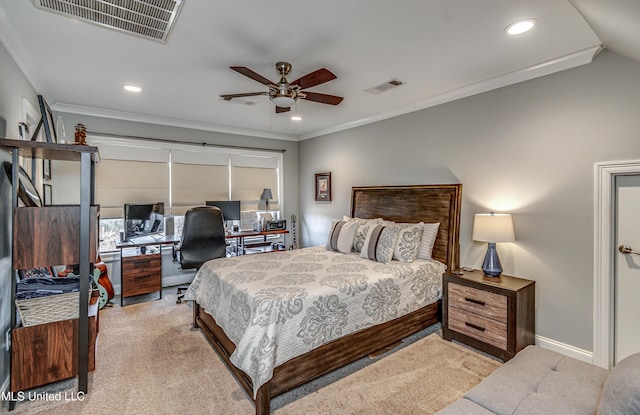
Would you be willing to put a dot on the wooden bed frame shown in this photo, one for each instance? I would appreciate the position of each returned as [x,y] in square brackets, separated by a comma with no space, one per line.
[418,203]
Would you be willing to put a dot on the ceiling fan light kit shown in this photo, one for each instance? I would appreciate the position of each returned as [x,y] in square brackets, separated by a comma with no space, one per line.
[284,93]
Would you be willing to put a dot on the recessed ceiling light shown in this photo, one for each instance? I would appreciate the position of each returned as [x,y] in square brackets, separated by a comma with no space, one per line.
[520,26]
[296,118]
[132,88]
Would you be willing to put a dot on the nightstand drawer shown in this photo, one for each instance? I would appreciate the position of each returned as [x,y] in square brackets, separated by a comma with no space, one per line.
[484,329]
[483,303]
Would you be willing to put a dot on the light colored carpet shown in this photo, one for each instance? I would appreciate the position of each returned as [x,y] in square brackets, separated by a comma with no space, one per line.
[147,358]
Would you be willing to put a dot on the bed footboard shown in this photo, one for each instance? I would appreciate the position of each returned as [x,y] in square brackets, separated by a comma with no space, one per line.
[319,361]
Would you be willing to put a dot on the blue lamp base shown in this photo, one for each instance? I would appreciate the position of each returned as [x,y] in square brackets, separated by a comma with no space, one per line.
[491,265]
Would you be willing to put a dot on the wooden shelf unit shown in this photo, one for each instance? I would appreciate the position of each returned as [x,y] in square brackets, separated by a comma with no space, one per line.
[59,349]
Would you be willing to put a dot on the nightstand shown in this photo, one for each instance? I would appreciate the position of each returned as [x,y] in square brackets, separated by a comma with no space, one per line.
[495,315]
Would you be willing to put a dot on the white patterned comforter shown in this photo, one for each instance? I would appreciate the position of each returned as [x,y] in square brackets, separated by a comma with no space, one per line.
[280,305]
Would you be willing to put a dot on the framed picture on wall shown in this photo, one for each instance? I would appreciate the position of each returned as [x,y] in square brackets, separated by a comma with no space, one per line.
[323,187]
[46,190]
[46,169]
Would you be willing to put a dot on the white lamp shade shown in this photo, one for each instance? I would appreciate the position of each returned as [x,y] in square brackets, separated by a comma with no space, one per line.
[283,101]
[493,227]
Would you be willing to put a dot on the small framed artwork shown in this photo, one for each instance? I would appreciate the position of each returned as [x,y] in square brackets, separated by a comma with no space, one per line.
[46,190]
[46,169]
[323,187]
[47,122]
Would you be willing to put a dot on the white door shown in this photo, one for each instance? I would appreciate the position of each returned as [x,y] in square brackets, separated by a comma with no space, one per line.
[627,267]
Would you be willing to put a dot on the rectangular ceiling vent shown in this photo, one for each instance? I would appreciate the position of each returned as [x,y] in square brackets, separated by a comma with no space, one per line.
[394,83]
[151,19]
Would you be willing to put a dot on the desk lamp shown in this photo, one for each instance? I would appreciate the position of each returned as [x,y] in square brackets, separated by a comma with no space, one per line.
[266,195]
[493,228]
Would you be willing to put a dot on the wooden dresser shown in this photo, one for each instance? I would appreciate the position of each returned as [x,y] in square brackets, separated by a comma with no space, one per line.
[495,315]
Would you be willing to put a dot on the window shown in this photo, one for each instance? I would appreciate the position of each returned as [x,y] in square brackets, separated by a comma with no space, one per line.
[181,176]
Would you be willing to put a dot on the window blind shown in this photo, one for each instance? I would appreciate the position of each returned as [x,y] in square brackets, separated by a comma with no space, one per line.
[121,178]
[197,177]
[250,175]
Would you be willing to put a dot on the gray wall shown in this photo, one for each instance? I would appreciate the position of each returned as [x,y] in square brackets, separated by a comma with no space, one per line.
[528,149]
[13,88]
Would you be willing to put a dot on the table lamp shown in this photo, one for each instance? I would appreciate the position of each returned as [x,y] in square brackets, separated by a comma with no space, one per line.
[266,195]
[493,228]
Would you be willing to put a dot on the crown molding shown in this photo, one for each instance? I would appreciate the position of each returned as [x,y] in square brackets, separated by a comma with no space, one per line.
[552,66]
[172,122]
[562,63]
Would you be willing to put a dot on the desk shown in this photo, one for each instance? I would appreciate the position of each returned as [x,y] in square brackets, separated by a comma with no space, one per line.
[246,234]
[141,272]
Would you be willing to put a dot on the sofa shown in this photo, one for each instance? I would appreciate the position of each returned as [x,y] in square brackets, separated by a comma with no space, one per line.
[540,381]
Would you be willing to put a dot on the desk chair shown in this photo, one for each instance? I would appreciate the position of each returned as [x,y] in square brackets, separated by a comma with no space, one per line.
[203,238]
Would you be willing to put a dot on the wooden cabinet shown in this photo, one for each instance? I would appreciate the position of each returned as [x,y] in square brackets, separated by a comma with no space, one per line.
[495,315]
[141,273]
[44,353]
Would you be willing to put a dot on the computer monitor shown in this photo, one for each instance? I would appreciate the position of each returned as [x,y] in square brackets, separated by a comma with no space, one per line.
[230,208]
[141,219]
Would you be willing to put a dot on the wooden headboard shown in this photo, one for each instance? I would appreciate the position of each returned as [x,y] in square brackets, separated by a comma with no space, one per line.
[439,203]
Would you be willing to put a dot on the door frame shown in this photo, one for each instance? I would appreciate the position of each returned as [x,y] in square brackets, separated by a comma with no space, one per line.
[603,256]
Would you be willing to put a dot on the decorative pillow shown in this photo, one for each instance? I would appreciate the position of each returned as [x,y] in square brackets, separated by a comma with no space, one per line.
[409,239]
[428,239]
[44,272]
[621,391]
[363,229]
[341,236]
[380,242]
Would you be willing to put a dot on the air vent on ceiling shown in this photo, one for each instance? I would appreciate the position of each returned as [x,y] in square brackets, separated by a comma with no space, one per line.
[394,83]
[151,19]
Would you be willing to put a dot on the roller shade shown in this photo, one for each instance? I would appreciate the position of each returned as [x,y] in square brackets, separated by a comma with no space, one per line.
[123,181]
[250,175]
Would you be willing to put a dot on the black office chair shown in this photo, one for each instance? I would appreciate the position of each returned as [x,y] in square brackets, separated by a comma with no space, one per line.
[203,238]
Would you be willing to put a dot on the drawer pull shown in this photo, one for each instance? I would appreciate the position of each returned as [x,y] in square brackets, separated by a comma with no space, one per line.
[473,326]
[144,261]
[471,300]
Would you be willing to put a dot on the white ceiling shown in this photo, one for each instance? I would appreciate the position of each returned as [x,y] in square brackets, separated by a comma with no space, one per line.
[441,50]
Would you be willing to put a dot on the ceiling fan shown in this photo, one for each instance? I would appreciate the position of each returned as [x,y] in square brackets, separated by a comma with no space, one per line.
[284,93]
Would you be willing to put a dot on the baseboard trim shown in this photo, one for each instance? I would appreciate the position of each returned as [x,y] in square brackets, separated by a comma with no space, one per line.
[565,349]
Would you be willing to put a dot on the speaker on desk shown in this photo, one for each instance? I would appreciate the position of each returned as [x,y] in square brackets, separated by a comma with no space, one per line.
[168,225]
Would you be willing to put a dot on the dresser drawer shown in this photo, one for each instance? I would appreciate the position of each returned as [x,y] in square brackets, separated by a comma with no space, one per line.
[142,264]
[483,303]
[481,328]
[141,284]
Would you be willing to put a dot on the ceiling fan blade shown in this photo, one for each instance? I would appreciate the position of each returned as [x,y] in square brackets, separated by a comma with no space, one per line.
[282,109]
[248,72]
[314,78]
[229,97]
[322,98]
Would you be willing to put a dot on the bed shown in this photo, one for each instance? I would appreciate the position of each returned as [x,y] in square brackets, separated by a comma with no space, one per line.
[308,357]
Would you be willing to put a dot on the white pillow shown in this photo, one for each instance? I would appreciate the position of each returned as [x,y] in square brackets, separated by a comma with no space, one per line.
[380,242]
[429,235]
[341,236]
[409,239]
[363,229]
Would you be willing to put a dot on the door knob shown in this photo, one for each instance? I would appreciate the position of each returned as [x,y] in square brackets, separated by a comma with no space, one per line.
[626,249]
